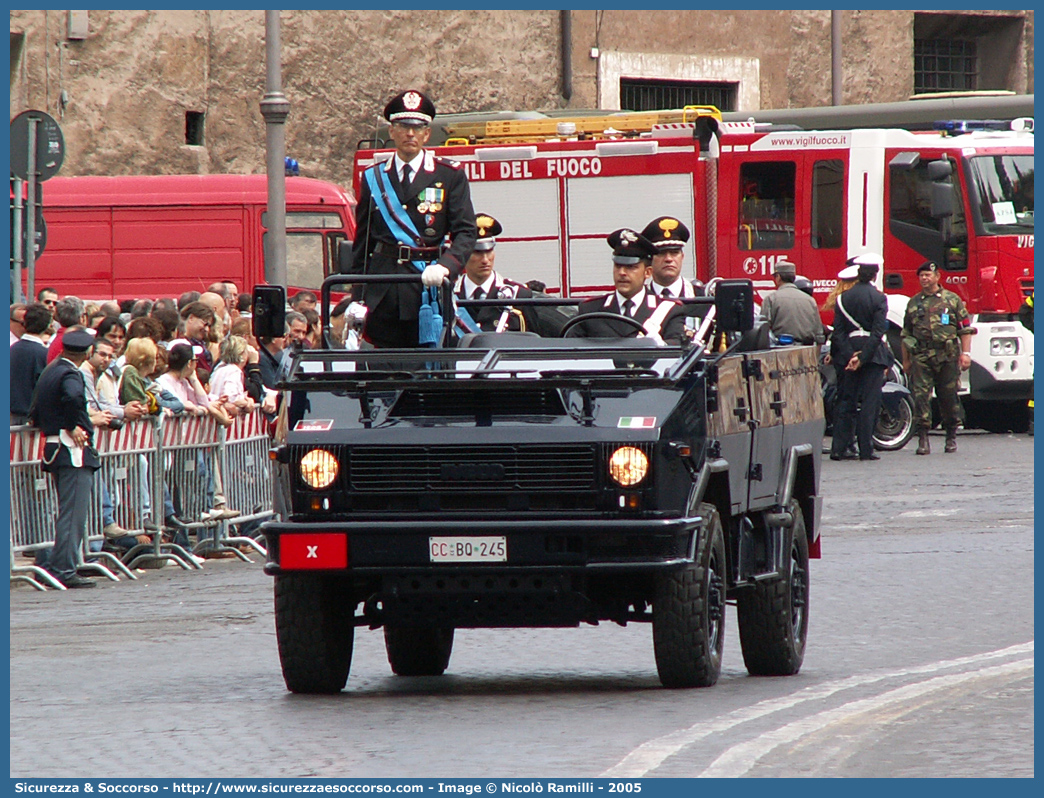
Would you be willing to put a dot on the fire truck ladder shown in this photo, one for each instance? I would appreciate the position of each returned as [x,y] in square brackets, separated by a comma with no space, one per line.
[610,126]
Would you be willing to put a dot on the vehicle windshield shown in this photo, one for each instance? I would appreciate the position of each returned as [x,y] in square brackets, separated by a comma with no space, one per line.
[595,359]
[1002,185]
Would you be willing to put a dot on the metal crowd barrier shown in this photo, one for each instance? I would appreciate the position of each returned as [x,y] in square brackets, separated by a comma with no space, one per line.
[191,459]
[243,455]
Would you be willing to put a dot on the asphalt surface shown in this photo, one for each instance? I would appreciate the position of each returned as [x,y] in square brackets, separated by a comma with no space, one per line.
[927,573]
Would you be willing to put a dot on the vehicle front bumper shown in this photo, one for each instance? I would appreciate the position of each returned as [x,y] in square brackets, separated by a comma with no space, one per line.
[389,547]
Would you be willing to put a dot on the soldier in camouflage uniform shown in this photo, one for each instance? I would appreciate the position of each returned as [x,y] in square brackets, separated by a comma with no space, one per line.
[937,335]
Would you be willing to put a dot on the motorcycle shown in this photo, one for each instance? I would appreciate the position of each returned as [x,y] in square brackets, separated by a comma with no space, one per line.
[895,422]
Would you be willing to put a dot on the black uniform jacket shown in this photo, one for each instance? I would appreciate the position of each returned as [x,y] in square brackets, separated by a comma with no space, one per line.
[671,330]
[488,317]
[454,217]
[59,403]
[869,308]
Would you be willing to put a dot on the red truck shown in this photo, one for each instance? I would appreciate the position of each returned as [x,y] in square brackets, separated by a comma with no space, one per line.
[160,235]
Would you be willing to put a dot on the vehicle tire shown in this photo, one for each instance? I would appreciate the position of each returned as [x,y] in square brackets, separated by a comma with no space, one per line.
[689,613]
[418,651]
[315,631]
[894,430]
[773,615]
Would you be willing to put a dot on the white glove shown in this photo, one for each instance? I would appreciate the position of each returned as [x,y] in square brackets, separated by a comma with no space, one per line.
[433,275]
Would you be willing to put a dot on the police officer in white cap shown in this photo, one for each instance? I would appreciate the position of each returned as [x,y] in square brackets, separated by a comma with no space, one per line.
[414,213]
[860,323]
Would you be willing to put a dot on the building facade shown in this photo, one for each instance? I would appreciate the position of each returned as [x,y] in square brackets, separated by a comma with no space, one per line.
[143,92]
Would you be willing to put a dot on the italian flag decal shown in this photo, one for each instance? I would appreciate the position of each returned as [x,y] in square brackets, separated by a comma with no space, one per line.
[636,422]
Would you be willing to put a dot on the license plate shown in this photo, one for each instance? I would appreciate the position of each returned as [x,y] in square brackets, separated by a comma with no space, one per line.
[485,549]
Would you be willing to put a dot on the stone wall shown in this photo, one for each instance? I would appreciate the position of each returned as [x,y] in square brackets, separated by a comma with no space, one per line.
[130,83]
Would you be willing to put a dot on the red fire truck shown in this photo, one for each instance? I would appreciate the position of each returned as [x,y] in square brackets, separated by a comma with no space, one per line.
[753,194]
[148,236]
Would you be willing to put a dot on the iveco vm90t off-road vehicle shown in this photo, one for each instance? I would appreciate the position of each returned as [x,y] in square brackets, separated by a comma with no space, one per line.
[506,480]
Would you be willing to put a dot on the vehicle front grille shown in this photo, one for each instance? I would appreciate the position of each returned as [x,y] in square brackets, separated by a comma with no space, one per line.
[501,467]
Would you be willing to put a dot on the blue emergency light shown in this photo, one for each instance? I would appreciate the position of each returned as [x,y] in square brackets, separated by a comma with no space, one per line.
[953,127]
[292,167]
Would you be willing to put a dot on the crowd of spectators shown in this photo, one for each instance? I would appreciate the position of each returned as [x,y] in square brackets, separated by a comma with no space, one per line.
[193,355]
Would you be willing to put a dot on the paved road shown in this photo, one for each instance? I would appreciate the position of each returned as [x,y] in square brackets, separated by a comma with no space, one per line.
[919,664]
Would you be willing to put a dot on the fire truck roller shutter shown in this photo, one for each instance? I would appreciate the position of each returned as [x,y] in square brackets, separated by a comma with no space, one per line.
[527,209]
[602,204]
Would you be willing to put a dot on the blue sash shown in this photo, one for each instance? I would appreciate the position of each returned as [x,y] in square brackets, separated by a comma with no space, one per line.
[429,317]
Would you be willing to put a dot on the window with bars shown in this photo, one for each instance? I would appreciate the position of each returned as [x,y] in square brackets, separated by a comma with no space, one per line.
[642,94]
[945,65]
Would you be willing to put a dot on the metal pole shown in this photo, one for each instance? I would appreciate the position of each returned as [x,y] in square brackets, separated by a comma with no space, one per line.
[567,54]
[17,238]
[835,57]
[30,214]
[274,109]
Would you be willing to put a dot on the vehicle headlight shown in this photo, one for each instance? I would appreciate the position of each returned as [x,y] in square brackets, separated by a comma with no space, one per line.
[628,466]
[1004,347]
[319,468]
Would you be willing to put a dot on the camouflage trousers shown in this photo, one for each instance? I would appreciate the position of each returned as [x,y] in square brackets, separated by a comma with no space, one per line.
[942,374]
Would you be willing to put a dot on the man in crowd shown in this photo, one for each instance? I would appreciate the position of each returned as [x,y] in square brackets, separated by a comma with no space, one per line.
[68,313]
[59,409]
[428,199]
[789,310]
[28,360]
[937,335]
[104,413]
[303,300]
[49,297]
[664,320]
[296,340]
[860,322]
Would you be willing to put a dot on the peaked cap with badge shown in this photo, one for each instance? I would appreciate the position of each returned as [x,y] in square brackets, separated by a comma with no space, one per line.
[630,247]
[666,232]
[488,230]
[410,108]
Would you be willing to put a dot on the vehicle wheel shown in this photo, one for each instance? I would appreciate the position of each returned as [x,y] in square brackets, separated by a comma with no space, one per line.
[315,632]
[689,613]
[418,651]
[773,615]
[893,430]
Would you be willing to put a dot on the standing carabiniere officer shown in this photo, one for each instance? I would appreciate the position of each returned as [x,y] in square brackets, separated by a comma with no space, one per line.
[937,335]
[408,207]
[59,409]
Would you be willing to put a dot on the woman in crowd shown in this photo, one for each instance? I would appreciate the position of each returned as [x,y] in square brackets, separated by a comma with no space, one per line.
[227,383]
[111,329]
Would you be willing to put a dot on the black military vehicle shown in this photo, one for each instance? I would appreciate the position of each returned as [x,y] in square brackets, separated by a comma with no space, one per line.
[518,481]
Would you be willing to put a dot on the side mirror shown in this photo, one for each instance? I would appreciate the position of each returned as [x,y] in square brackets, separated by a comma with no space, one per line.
[269,311]
[941,199]
[941,190]
[734,305]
